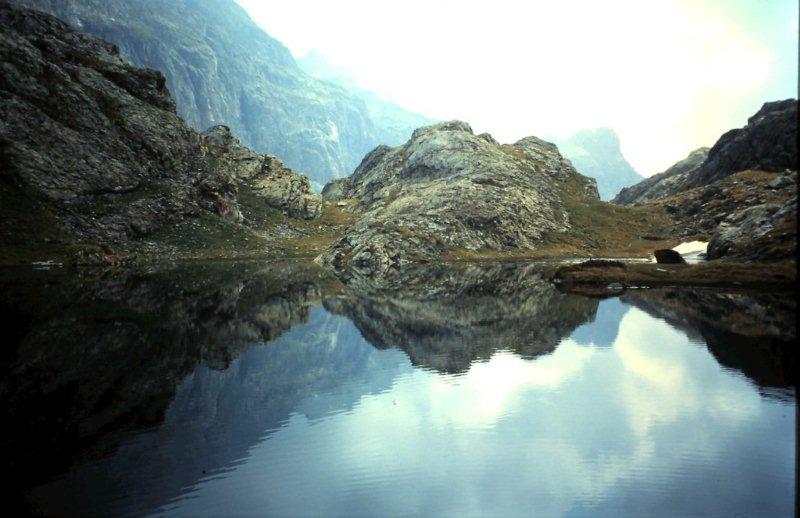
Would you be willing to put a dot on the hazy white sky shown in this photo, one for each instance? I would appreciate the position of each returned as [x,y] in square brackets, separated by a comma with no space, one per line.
[669,76]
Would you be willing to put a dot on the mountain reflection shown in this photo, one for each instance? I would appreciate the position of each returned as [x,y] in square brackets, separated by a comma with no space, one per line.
[446,319]
[144,387]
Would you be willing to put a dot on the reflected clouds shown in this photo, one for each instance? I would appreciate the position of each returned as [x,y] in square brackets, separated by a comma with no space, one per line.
[477,391]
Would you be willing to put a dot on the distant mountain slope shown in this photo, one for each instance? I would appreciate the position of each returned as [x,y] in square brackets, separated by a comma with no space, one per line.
[597,154]
[767,143]
[223,69]
[393,123]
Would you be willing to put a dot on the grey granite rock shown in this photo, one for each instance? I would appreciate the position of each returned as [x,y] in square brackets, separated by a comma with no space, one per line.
[447,188]
[274,183]
[95,146]
[740,233]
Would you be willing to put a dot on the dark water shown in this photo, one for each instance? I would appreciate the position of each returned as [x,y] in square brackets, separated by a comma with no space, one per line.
[276,390]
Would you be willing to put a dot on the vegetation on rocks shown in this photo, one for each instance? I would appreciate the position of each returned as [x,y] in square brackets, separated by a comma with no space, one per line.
[98,166]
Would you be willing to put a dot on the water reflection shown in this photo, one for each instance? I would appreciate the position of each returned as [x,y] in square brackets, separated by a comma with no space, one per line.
[275,390]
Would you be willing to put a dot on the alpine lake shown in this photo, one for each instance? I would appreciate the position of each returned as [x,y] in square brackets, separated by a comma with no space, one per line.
[277,389]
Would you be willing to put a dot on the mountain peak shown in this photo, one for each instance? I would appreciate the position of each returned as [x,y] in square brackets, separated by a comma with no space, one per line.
[596,153]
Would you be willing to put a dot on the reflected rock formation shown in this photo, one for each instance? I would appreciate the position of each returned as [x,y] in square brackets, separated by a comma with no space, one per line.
[445,319]
[753,332]
[96,357]
[204,362]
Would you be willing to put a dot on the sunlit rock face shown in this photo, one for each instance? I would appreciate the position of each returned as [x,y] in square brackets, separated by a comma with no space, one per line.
[222,69]
[447,319]
[448,188]
[597,154]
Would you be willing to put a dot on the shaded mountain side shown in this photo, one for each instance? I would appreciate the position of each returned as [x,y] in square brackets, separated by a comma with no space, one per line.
[450,193]
[97,163]
[393,123]
[658,185]
[767,143]
[752,332]
[740,195]
[221,68]
[597,154]
[445,319]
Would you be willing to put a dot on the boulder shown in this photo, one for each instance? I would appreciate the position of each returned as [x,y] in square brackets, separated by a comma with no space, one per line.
[668,256]
[750,233]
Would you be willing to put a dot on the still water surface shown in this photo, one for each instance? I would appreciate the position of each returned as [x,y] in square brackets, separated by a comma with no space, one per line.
[276,391]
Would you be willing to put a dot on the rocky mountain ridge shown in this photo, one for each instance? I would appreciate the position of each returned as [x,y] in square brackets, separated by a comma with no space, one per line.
[661,184]
[223,69]
[740,195]
[94,152]
[767,143]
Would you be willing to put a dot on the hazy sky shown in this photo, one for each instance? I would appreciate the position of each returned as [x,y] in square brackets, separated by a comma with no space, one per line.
[669,76]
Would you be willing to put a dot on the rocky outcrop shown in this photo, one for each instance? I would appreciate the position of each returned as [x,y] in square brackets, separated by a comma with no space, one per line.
[767,143]
[662,184]
[742,197]
[221,68]
[266,175]
[94,152]
[597,154]
[446,189]
[765,231]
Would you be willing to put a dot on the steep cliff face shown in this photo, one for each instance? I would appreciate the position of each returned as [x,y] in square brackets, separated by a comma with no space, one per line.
[222,69]
[597,154]
[93,151]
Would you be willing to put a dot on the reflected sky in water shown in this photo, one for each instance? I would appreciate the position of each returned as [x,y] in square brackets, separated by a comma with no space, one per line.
[275,389]
[628,415]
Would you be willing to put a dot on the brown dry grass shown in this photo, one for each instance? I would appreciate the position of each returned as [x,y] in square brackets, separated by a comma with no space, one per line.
[720,273]
[599,229]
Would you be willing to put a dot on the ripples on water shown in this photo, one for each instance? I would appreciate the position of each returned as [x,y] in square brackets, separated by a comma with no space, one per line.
[218,390]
